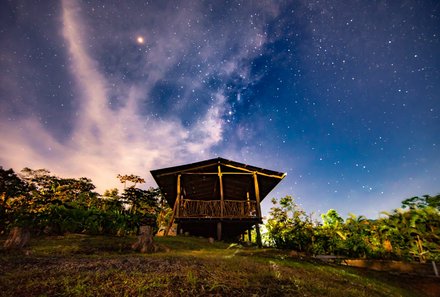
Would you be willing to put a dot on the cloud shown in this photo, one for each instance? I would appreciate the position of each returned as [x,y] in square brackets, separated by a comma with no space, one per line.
[209,130]
[104,141]
[131,138]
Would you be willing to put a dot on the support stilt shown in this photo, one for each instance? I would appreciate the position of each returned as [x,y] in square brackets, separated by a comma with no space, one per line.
[219,231]
[257,228]
[175,208]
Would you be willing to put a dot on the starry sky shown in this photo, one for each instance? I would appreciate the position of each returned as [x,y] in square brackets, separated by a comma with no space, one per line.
[344,96]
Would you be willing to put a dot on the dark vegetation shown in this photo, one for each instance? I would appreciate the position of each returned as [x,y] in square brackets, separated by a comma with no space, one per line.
[80,246]
[411,233]
[47,204]
[44,203]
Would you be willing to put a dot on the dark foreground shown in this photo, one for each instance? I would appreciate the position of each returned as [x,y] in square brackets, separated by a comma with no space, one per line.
[80,265]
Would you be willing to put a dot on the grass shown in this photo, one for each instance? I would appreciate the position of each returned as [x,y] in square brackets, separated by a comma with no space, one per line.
[81,265]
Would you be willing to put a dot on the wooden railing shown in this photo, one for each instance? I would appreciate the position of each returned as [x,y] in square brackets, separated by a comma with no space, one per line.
[212,209]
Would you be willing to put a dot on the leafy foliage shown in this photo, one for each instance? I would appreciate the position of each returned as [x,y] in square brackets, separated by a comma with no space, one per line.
[290,227]
[422,202]
[10,186]
[47,203]
[50,204]
[412,234]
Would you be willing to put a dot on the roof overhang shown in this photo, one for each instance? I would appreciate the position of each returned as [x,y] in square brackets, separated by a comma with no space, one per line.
[200,180]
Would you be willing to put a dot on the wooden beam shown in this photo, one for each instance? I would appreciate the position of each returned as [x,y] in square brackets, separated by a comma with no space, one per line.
[222,203]
[257,229]
[257,172]
[257,195]
[179,189]
[178,198]
[175,207]
[215,173]
[182,171]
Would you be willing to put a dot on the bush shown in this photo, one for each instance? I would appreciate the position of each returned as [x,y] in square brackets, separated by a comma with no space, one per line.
[411,235]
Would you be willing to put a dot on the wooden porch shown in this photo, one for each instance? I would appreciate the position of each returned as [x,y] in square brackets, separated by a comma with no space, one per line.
[216,209]
[216,194]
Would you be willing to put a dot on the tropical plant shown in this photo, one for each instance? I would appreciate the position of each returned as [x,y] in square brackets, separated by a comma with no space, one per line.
[289,226]
[411,234]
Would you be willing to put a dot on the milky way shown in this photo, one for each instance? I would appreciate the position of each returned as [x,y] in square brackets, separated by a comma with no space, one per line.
[344,96]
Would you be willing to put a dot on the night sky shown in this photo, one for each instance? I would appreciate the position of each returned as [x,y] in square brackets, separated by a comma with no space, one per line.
[344,96]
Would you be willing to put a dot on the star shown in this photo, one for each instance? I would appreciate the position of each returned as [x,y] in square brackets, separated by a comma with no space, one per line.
[330,90]
[140,40]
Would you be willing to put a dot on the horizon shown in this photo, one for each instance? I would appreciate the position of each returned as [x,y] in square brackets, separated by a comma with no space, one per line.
[343,97]
[266,200]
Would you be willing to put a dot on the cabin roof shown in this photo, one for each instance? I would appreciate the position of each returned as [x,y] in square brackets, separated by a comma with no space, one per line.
[200,180]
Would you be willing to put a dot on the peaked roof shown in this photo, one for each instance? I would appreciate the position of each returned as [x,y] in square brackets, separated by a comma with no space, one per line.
[200,180]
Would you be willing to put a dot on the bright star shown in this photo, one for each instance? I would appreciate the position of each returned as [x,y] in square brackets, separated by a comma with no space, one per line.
[140,40]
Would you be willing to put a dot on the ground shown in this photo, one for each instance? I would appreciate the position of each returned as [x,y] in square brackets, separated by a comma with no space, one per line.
[82,265]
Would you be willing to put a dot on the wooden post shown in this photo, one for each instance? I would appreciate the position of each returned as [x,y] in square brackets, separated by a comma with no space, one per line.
[248,202]
[257,195]
[250,235]
[257,228]
[257,198]
[175,208]
[222,203]
[219,231]
[179,193]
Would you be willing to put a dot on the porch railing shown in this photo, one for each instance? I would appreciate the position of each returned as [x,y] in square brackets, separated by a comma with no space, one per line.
[212,209]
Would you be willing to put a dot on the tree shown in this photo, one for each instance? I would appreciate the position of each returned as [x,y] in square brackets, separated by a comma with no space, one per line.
[111,201]
[414,233]
[144,205]
[50,189]
[357,235]
[141,201]
[53,204]
[11,186]
[331,218]
[42,187]
[289,226]
[329,238]
[135,179]
[422,202]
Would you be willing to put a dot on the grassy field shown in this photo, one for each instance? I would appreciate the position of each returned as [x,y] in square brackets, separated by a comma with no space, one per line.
[81,265]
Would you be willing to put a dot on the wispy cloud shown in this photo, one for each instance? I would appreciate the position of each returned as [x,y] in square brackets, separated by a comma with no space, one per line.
[105,140]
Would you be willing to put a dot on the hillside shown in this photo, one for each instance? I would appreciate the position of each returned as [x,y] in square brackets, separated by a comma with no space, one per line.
[82,265]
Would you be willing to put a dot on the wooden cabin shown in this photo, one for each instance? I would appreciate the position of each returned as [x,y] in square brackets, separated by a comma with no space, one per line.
[217,197]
